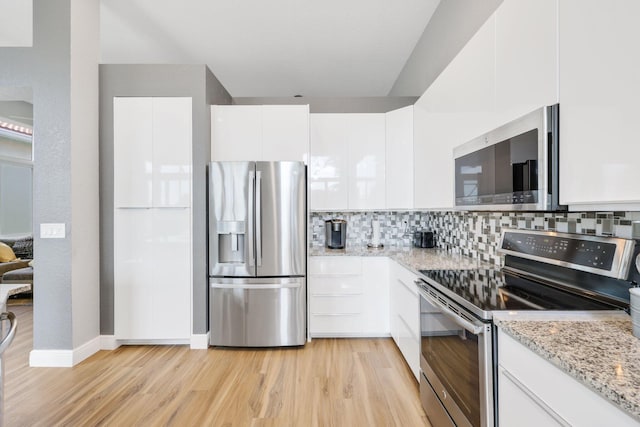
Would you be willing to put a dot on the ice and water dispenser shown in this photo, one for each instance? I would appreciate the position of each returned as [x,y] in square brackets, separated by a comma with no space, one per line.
[232,238]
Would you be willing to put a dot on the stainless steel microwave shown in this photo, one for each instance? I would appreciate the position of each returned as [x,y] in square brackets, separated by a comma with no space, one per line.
[513,167]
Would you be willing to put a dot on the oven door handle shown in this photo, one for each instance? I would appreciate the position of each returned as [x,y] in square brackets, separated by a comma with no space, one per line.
[476,329]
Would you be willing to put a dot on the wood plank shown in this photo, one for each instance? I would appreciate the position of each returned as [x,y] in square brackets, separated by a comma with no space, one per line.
[328,382]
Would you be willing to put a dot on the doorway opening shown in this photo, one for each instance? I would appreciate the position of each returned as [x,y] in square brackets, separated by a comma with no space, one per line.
[16,198]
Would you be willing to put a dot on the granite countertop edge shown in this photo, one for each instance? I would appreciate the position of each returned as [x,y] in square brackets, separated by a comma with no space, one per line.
[414,259]
[626,396]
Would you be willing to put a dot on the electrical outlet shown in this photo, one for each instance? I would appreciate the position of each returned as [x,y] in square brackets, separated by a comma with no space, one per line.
[52,231]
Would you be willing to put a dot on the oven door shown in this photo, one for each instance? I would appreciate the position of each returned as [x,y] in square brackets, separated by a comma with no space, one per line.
[456,363]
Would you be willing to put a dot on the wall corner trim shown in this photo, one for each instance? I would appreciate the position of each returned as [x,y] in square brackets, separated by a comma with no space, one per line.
[108,342]
[200,341]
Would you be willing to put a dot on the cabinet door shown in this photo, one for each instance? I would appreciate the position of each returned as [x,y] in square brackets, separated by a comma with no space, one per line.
[152,274]
[366,161]
[328,162]
[458,106]
[375,279]
[526,57]
[399,158]
[172,156]
[133,279]
[285,133]
[599,92]
[170,291]
[405,314]
[236,132]
[132,152]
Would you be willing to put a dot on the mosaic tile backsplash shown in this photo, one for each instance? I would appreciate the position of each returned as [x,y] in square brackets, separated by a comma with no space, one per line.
[474,234]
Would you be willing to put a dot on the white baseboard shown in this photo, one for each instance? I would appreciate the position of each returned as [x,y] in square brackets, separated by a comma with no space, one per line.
[350,335]
[196,342]
[86,350]
[64,358]
[177,341]
[51,358]
[200,341]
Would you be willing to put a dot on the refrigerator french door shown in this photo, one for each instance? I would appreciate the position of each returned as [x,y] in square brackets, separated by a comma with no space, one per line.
[257,253]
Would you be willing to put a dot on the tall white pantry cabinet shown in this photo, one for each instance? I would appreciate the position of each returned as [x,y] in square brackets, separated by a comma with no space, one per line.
[152,218]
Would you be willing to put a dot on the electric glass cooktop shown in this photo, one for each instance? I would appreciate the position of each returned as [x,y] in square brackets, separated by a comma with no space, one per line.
[486,290]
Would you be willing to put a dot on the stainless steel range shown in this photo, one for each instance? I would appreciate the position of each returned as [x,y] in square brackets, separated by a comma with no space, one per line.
[543,271]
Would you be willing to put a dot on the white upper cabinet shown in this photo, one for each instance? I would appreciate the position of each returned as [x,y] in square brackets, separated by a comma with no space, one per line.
[399,158]
[526,57]
[366,160]
[599,108]
[152,152]
[328,162]
[347,162]
[259,132]
[133,151]
[458,106]
[172,152]
[236,132]
[285,132]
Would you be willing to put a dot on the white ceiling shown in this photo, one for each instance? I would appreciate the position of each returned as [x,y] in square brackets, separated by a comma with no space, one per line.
[271,48]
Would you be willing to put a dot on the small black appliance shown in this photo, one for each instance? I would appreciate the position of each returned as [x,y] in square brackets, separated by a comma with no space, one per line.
[335,233]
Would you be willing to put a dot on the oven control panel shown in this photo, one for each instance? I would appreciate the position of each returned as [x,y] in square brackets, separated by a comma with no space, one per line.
[582,252]
[596,254]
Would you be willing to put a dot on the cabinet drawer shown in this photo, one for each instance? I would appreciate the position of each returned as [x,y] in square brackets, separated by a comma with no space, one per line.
[344,285]
[331,305]
[335,266]
[335,325]
[405,277]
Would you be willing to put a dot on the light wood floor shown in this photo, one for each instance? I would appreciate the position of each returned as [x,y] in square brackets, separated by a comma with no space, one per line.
[328,382]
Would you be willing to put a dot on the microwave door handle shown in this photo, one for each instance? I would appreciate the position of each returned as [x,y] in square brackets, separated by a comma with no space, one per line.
[474,329]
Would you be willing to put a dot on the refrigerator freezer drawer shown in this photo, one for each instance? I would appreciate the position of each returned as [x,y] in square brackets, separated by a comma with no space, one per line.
[258,312]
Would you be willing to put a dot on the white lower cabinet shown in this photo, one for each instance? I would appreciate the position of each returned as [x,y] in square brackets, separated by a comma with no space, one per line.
[348,296]
[533,392]
[152,274]
[404,314]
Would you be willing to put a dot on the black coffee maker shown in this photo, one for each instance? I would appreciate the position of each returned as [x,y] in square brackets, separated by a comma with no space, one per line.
[424,239]
[335,233]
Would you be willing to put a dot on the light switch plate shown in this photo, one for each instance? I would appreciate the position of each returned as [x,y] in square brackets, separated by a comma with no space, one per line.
[52,231]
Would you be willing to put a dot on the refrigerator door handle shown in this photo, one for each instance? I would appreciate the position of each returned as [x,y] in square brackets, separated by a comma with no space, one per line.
[250,240]
[257,286]
[258,218]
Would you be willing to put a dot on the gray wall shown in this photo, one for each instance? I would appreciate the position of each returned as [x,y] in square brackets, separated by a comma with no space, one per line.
[376,104]
[452,25]
[46,68]
[194,81]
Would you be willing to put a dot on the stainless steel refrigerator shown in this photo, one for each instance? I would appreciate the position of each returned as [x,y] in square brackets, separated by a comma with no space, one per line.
[257,253]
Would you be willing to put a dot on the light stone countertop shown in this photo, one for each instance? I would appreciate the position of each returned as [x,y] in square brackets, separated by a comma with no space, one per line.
[598,350]
[414,259]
